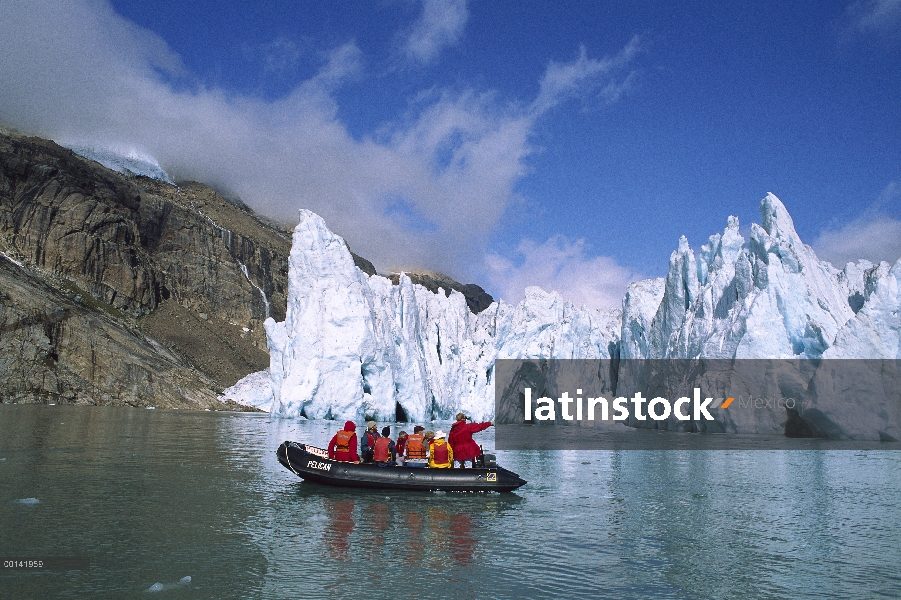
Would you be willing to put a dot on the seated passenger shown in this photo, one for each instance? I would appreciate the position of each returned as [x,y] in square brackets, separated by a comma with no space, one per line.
[367,442]
[441,456]
[343,446]
[400,447]
[416,450]
[383,451]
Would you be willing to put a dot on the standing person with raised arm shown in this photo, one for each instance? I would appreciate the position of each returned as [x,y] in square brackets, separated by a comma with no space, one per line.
[460,439]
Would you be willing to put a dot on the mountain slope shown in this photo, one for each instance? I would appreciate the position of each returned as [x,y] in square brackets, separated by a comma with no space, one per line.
[133,252]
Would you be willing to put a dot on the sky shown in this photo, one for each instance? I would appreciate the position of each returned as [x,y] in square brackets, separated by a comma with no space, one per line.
[506,143]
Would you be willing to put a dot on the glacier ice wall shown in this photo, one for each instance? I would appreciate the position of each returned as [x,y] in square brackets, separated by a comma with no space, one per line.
[355,346]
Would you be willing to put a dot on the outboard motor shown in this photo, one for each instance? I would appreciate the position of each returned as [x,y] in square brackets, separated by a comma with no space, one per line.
[487,461]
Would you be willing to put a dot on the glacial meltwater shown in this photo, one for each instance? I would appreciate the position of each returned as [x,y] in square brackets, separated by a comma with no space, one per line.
[183,504]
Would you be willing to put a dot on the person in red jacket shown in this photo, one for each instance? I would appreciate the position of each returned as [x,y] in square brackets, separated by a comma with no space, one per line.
[343,446]
[460,439]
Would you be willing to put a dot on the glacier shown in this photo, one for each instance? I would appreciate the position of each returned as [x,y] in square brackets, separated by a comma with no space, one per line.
[355,346]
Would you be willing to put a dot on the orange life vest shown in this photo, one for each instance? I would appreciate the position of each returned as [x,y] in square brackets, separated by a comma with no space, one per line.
[381,452]
[342,444]
[415,449]
[439,454]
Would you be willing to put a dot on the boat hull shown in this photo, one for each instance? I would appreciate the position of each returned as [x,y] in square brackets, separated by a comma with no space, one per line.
[313,464]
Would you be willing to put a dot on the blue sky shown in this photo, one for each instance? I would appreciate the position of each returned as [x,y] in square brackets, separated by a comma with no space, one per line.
[564,144]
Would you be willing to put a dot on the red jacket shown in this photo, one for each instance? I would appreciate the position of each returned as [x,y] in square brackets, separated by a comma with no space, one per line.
[460,439]
[351,454]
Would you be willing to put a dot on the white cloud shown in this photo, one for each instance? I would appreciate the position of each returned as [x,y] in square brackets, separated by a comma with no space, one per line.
[875,237]
[80,74]
[562,265]
[875,16]
[564,80]
[440,25]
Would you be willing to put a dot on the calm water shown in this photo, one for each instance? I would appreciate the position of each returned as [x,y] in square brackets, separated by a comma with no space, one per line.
[154,496]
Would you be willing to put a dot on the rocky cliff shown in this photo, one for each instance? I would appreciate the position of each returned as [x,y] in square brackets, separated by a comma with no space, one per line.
[124,289]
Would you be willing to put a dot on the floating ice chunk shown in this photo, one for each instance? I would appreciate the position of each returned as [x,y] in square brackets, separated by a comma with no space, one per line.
[159,587]
[27,501]
[151,407]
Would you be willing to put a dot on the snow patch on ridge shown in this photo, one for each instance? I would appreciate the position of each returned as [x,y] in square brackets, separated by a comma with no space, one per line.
[130,162]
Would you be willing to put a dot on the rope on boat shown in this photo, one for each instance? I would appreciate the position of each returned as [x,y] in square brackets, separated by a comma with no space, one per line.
[288,460]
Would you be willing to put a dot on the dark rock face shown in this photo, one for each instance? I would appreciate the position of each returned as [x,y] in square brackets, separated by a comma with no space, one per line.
[101,253]
[57,349]
[476,298]
[363,264]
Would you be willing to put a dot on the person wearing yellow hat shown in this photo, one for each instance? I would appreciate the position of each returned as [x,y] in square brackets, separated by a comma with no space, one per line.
[441,456]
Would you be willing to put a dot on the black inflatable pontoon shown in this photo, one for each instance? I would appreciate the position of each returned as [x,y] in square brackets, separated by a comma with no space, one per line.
[313,464]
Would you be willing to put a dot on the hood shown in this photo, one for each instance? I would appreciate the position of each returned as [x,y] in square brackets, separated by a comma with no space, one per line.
[350,426]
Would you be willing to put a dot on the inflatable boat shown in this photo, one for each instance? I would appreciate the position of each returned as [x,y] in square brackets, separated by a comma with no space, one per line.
[313,464]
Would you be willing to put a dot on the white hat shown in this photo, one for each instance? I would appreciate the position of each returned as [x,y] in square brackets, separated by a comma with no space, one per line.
[440,434]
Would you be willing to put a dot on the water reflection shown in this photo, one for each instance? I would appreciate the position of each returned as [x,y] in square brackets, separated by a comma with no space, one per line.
[340,526]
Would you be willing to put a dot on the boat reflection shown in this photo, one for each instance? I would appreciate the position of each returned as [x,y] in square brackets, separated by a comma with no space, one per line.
[429,529]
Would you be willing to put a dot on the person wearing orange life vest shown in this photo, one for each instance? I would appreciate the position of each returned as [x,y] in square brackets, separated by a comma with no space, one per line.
[417,452]
[441,455]
[343,446]
[383,450]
